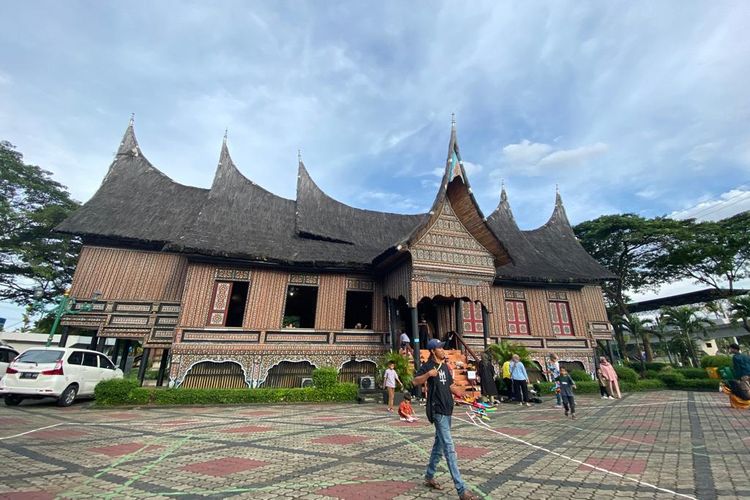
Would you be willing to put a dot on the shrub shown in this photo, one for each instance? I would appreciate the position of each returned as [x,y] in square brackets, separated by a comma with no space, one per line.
[671,377]
[114,391]
[718,361]
[626,374]
[697,384]
[643,385]
[655,365]
[691,373]
[325,377]
[580,376]
[651,374]
[403,367]
[150,395]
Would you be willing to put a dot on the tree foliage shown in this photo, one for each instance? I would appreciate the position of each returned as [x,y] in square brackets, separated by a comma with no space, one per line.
[716,254]
[639,328]
[505,350]
[688,323]
[740,310]
[31,255]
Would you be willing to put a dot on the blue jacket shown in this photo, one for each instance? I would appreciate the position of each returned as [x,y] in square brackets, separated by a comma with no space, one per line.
[518,371]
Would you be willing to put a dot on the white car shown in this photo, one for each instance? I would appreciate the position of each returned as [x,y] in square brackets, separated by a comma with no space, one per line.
[7,354]
[55,372]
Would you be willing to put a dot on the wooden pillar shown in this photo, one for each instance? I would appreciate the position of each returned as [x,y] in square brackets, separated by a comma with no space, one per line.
[162,367]
[116,350]
[485,326]
[101,344]
[459,323]
[92,344]
[64,336]
[144,365]
[415,330]
[124,354]
[390,307]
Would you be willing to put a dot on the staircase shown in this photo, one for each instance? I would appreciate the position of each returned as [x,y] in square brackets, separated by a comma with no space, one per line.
[458,364]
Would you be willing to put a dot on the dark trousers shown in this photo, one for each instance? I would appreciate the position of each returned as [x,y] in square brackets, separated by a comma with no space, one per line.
[520,391]
[569,403]
[508,386]
[604,390]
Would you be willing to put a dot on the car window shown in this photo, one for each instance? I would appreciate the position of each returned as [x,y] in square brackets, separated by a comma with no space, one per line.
[75,358]
[40,356]
[89,359]
[4,356]
[105,363]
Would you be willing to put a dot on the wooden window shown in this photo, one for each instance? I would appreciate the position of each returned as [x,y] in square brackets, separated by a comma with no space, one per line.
[301,304]
[518,319]
[228,303]
[560,315]
[358,310]
[472,317]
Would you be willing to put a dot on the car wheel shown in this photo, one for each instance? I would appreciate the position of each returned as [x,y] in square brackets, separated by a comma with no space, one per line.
[13,400]
[68,396]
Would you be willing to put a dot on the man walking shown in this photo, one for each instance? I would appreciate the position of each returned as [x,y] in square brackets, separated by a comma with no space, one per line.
[440,392]
[740,362]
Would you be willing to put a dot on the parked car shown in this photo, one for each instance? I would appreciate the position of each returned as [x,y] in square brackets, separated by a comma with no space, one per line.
[7,354]
[55,372]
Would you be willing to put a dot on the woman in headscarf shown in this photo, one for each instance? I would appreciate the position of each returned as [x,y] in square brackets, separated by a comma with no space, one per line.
[609,372]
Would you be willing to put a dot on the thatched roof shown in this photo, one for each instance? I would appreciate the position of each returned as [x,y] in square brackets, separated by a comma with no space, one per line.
[549,253]
[136,202]
[238,219]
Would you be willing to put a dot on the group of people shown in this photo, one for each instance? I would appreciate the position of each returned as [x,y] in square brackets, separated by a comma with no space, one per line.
[738,388]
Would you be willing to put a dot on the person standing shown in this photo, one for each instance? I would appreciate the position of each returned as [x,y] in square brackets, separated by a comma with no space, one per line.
[507,383]
[567,384]
[611,375]
[740,362]
[440,392]
[487,378]
[603,384]
[520,380]
[390,378]
[553,367]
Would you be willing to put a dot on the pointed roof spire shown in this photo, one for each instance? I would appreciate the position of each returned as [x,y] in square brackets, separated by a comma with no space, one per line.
[453,121]
[129,144]
[226,134]
[299,156]
[503,194]
[558,198]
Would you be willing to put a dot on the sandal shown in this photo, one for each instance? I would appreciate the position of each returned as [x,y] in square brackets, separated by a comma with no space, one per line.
[431,483]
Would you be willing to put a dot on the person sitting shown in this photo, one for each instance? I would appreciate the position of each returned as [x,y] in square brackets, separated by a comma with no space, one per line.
[405,411]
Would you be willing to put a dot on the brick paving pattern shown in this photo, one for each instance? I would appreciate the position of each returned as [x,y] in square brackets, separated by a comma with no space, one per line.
[647,445]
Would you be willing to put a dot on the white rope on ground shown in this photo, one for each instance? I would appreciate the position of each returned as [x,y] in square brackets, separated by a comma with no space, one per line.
[600,469]
[32,430]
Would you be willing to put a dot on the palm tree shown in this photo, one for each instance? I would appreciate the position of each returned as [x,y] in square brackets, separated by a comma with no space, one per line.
[740,310]
[660,328]
[638,328]
[686,320]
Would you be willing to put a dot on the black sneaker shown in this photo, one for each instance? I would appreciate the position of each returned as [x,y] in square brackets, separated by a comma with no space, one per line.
[566,413]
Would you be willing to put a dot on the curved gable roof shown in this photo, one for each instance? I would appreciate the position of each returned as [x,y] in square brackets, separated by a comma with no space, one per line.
[136,201]
[320,216]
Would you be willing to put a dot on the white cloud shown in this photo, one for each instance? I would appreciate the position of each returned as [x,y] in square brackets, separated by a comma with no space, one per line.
[391,202]
[576,156]
[529,157]
[730,203]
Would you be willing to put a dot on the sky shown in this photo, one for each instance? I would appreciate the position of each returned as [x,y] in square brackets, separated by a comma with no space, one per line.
[637,107]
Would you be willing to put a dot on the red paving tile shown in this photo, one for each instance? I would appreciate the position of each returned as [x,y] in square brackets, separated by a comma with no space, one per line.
[52,434]
[224,466]
[631,439]
[343,439]
[248,429]
[119,450]
[28,495]
[514,431]
[619,465]
[375,490]
[258,413]
[8,421]
[471,452]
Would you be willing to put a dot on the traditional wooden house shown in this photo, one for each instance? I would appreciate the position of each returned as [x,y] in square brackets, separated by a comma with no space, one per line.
[244,288]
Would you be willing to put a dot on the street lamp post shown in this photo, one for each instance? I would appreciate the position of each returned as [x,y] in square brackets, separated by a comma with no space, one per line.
[65,305]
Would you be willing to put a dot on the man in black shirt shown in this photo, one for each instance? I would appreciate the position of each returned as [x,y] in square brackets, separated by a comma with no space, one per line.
[440,392]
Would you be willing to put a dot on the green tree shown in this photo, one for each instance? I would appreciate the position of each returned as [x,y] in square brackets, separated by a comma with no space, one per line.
[688,324]
[505,350]
[629,246]
[31,255]
[716,254]
[739,308]
[639,329]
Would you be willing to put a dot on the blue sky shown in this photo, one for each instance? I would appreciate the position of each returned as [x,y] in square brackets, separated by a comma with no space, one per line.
[627,106]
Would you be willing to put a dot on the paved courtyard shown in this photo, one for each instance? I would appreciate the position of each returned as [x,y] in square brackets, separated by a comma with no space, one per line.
[648,445]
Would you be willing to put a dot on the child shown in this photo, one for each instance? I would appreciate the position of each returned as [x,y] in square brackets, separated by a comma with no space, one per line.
[567,385]
[390,378]
[603,384]
[405,410]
